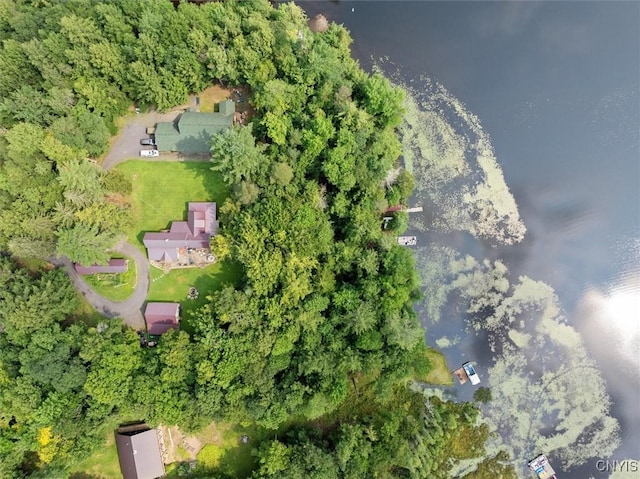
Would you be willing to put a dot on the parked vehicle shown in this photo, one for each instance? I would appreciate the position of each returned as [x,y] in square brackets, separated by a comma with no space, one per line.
[149,153]
[148,142]
[471,373]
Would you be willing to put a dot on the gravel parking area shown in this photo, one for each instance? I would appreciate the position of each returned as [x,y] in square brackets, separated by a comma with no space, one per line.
[127,144]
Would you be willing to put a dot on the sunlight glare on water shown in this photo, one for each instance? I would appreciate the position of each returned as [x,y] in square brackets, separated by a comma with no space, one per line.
[611,317]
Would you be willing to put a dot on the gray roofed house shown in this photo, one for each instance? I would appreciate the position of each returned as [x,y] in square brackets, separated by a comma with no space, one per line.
[113,266]
[139,453]
[191,132]
[201,224]
[161,317]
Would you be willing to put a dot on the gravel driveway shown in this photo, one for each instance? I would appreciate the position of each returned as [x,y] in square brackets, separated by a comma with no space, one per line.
[130,310]
[127,147]
[127,144]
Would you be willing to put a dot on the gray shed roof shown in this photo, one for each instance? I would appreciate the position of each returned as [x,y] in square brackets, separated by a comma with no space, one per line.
[139,455]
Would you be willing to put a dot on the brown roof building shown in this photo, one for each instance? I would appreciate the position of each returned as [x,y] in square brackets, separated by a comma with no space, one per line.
[113,266]
[139,452]
[161,317]
[201,225]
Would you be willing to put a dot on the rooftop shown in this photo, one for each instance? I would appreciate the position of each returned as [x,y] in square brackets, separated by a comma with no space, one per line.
[161,317]
[113,266]
[191,132]
[201,224]
[139,453]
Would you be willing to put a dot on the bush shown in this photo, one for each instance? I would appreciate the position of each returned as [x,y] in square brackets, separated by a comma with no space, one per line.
[399,222]
[209,456]
[115,182]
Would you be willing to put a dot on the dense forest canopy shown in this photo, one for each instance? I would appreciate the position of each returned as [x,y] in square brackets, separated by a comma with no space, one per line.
[325,303]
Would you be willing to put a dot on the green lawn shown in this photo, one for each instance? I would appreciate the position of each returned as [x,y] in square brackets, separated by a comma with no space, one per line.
[233,457]
[162,190]
[174,285]
[116,287]
[102,464]
[85,313]
[440,374]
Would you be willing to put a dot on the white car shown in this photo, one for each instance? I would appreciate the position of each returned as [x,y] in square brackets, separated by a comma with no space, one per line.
[471,373]
[149,153]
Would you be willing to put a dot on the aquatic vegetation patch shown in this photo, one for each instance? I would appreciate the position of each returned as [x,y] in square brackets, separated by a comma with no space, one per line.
[456,172]
[547,394]
[445,342]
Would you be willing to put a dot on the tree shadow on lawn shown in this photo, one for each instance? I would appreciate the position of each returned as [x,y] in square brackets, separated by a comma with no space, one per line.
[217,190]
[229,274]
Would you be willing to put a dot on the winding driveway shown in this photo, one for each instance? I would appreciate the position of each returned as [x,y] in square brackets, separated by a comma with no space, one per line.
[125,147]
[130,310]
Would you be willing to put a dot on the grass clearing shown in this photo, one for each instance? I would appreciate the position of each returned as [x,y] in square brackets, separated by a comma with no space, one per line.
[85,313]
[212,96]
[223,446]
[440,372]
[102,464]
[114,286]
[162,190]
[174,285]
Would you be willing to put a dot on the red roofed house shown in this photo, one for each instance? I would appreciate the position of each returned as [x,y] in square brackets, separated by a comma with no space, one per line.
[201,225]
[113,266]
[161,317]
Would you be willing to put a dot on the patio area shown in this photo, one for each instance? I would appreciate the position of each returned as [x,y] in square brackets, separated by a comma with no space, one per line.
[187,258]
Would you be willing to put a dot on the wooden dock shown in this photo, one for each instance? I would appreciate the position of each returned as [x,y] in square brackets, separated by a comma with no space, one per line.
[415,209]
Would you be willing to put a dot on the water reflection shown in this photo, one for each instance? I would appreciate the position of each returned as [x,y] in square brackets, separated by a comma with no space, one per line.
[609,321]
[548,395]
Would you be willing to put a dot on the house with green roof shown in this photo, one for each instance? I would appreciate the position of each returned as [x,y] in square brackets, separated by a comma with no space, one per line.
[191,132]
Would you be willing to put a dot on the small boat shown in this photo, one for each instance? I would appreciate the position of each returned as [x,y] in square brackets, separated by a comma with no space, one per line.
[471,373]
[540,465]
[461,375]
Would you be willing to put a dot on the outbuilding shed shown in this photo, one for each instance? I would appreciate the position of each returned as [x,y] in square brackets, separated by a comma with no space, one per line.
[161,317]
[139,452]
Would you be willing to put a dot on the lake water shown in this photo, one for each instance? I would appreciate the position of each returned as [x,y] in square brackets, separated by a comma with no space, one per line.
[556,86]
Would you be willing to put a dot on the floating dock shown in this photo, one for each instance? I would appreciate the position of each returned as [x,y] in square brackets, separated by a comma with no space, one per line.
[461,375]
[415,209]
[407,240]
